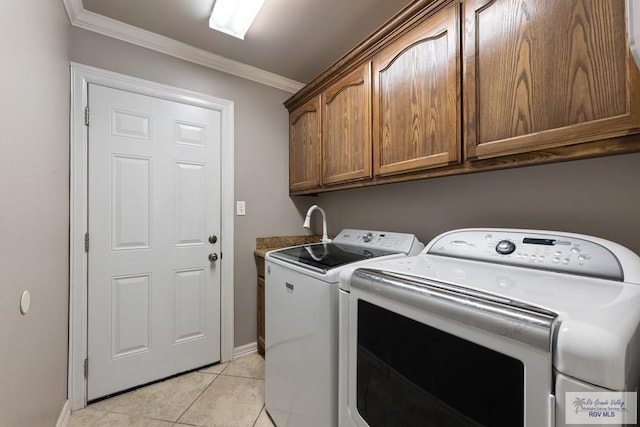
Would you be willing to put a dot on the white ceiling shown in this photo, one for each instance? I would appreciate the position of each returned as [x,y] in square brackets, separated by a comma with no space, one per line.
[295,39]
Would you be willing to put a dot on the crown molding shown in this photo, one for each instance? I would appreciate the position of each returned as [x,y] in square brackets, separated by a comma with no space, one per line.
[90,21]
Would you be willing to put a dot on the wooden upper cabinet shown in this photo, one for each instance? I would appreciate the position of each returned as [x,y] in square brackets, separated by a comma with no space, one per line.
[304,146]
[537,81]
[346,128]
[540,74]
[416,113]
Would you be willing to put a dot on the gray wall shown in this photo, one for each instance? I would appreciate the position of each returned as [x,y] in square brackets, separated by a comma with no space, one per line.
[599,197]
[34,211]
[261,150]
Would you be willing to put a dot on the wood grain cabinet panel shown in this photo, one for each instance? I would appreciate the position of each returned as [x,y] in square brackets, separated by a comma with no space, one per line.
[450,87]
[540,74]
[416,81]
[346,128]
[304,146]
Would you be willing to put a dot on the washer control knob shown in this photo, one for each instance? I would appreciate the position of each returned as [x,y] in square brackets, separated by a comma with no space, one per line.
[505,247]
[367,237]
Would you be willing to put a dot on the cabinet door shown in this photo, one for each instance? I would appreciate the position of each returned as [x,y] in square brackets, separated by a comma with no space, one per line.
[304,146]
[540,74]
[416,118]
[346,128]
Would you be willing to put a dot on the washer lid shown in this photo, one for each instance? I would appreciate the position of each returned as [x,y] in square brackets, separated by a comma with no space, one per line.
[323,257]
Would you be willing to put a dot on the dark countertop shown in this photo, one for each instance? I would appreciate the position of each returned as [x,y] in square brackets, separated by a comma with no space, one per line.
[266,244]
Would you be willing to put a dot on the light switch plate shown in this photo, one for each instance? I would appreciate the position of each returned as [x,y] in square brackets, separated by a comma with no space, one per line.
[241,208]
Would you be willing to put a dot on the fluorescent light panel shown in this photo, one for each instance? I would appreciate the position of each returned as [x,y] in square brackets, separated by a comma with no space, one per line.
[234,17]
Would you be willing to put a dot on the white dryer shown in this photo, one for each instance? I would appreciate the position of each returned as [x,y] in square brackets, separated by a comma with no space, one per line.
[493,327]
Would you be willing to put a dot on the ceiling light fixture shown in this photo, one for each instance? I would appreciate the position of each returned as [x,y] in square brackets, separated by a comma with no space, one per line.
[234,17]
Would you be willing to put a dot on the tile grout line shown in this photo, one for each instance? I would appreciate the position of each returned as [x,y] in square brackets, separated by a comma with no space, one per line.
[242,376]
[258,417]
[199,395]
[161,419]
[177,420]
[143,417]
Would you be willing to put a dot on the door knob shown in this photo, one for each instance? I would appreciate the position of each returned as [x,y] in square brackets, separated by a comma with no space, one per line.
[213,239]
[213,257]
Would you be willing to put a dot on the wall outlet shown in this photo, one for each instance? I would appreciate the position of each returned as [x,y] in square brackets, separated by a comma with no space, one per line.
[241,208]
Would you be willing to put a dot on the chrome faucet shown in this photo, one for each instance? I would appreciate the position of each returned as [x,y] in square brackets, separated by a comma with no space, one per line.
[307,222]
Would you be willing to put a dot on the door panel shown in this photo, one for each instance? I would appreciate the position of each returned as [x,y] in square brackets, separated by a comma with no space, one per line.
[130,316]
[154,198]
[189,288]
[131,203]
[189,219]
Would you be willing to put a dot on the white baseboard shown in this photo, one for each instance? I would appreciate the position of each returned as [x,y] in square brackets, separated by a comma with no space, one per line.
[245,350]
[63,419]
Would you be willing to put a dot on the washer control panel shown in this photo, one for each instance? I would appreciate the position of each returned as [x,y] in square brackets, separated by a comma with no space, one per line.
[563,252]
[385,240]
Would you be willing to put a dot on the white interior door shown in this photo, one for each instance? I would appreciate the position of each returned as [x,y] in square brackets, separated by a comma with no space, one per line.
[154,200]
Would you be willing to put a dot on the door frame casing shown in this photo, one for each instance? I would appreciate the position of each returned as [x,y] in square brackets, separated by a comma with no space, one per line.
[81,77]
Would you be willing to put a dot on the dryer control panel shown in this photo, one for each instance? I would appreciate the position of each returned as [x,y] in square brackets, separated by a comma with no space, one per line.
[569,253]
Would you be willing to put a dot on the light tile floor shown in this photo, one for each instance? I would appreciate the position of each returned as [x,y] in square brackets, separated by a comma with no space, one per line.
[222,395]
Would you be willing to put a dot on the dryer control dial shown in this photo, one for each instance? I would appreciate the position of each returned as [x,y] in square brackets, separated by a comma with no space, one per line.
[505,247]
[367,237]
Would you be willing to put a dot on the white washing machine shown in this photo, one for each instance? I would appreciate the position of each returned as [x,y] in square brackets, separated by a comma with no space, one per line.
[301,321]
